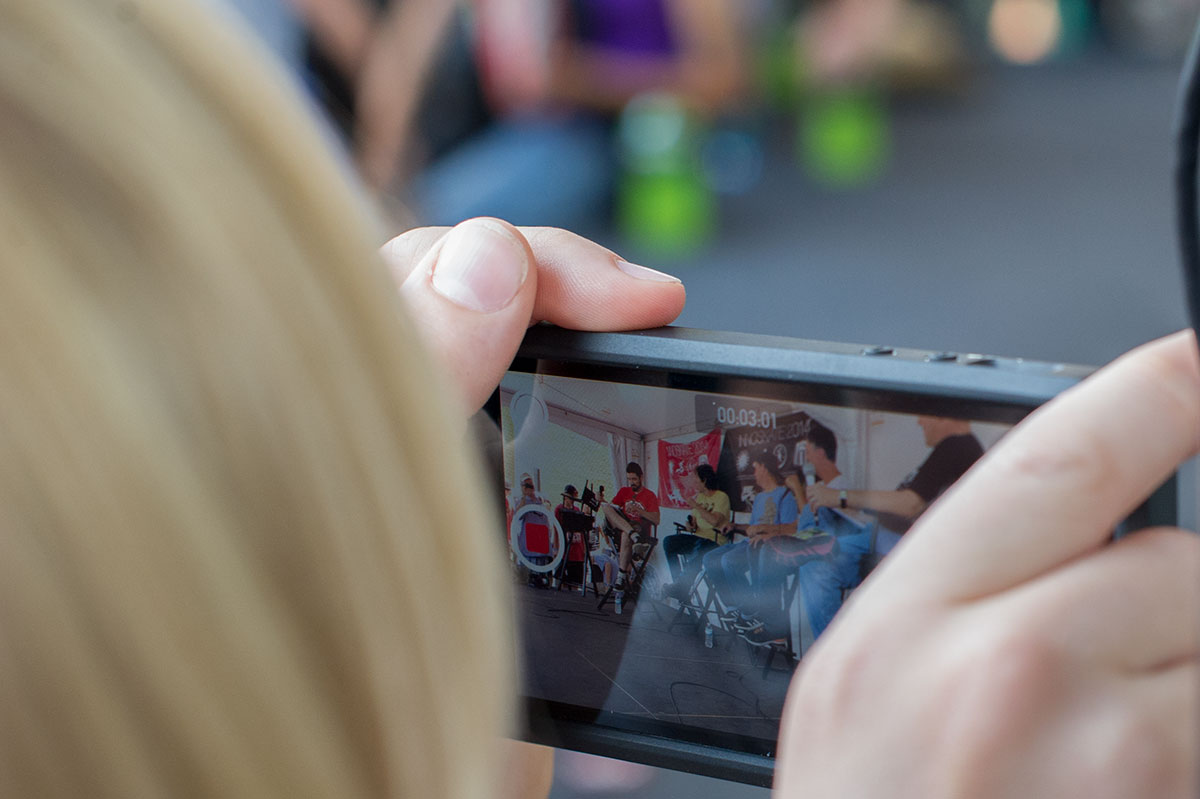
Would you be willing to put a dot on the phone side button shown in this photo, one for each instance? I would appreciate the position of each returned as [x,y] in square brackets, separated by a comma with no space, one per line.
[941,357]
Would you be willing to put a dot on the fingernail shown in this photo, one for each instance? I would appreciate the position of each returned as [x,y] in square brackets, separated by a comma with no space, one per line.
[480,266]
[646,273]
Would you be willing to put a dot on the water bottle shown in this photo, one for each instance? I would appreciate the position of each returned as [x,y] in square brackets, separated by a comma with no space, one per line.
[619,603]
[708,636]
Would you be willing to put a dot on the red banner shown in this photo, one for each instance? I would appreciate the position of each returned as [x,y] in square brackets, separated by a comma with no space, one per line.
[676,462]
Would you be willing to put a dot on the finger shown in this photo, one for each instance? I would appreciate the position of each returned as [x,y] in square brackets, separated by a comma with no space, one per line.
[405,251]
[471,296]
[1057,485]
[1134,606]
[573,282]
[1119,739]
[1157,744]
[584,286]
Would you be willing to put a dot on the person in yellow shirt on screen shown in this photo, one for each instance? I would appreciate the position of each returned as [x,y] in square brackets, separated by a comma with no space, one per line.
[710,513]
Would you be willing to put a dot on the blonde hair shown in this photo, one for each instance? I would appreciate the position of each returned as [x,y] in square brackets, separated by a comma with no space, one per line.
[230,561]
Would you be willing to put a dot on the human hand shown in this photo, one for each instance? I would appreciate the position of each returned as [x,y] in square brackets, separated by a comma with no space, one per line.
[797,487]
[821,496]
[1005,649]
[474,289]
[761,539]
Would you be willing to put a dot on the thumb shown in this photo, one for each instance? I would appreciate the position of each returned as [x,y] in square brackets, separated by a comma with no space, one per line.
[471,297]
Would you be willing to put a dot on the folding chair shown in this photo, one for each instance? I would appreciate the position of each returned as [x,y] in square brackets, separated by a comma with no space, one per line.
[785,646]
[693,605]
[643,549]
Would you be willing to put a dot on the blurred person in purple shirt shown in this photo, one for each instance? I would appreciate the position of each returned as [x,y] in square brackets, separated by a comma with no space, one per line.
[556,81]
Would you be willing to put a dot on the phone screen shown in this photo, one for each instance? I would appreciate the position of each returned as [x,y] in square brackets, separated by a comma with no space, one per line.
[676,548]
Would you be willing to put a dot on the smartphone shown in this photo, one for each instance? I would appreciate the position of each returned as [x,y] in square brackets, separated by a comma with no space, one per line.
[677,519]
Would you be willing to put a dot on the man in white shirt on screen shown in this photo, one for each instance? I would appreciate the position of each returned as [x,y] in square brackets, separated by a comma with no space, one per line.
[821,449]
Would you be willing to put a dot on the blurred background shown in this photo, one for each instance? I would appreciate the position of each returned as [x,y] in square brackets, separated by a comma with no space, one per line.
[985,176]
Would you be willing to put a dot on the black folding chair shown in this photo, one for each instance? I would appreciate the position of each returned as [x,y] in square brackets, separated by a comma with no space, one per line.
[643,550]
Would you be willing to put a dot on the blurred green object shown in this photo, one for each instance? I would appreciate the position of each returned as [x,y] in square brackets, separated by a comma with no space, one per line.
[843,136]
[668,215]
[664,205]
[778,69]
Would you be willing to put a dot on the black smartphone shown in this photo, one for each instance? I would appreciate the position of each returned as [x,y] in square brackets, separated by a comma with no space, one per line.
[680,517]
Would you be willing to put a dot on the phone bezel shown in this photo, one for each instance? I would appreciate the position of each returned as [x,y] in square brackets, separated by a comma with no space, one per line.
[976,387]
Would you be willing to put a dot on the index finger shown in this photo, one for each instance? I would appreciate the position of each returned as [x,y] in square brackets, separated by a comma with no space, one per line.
[1058,484]
[581,285]
[590,294]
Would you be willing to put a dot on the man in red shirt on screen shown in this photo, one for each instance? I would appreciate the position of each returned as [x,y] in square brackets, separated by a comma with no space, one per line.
[633,510]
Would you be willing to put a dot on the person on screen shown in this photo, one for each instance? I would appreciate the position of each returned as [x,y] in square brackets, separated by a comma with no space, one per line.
[604,564]
[529,495]
[955,449]
[570,513]
[633,509]
[710,513]
[570,496]
[774,513]
[822,576]
[820,452]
